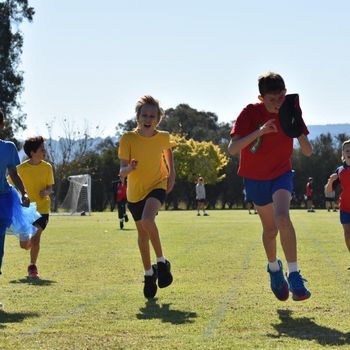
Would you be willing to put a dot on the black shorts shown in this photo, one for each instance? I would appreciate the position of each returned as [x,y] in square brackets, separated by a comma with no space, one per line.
[201,200]
[136,208]
[42,221]
[329,199]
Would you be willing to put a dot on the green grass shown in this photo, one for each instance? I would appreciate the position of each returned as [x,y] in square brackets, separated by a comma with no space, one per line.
[90,295]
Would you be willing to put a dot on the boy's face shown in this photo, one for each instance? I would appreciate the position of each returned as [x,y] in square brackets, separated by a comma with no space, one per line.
[346,153]
[273,101]
[40,153]
[148,117]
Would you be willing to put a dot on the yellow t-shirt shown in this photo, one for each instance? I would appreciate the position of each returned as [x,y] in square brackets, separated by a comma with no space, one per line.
[151,171]
[36,178]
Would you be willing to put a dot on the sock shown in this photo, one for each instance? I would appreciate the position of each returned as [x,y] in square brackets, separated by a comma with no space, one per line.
[292,267]
[161,259]
[273,266]
[149,272]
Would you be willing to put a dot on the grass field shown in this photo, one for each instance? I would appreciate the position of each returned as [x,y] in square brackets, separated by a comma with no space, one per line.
[90,292]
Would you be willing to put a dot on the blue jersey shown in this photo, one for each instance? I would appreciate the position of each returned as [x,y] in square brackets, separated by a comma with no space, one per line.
[8,160]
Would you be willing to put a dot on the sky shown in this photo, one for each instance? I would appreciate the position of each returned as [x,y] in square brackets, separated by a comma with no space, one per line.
[89,61]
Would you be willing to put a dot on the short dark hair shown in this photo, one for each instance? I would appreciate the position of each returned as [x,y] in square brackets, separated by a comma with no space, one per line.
[32,144]
[270,83]
[2,117]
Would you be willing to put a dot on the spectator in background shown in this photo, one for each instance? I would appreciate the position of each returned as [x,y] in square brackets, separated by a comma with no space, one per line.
[329,199]
[200,196]
[120,198]
[308,195]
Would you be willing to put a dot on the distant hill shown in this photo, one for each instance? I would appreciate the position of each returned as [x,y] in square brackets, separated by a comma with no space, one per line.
[333,129]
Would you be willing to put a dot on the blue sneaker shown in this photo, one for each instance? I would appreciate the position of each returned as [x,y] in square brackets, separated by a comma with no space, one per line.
[296,286]
[279,285]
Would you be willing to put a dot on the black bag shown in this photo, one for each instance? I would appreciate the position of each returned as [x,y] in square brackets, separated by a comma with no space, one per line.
[291,116]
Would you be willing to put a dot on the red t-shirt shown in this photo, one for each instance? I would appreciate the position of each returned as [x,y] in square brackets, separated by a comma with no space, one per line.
[121,192]
[309,191]
[272,156]
[344,179]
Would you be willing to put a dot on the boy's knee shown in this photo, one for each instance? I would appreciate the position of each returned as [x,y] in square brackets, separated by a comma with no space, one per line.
[25,244]
[271,233]
[282,221]
[147,224]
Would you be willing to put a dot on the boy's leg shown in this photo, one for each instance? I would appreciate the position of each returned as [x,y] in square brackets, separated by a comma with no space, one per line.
[151,274]
[143,242]
[121,215]
[281,201]
[150,211]
[346,228]
[279,285]
[2,241]
[269,230]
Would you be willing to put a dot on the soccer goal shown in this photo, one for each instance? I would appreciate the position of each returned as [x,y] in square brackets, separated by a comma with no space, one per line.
[78,197]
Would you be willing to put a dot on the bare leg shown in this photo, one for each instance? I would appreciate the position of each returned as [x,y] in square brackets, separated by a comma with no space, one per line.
[281,203]
[149,225]
[143,242]
[346,228]
[269,230]
[35,246]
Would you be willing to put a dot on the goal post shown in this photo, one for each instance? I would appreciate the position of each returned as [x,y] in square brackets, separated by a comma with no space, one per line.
[78,198]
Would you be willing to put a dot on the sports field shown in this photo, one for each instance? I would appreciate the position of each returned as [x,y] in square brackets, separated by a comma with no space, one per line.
[90,292]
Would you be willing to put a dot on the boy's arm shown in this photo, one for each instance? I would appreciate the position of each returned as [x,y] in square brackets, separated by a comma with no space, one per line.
[126,168]
[305,145]
[17,181]
[237,142]
[169,158]
[46,192]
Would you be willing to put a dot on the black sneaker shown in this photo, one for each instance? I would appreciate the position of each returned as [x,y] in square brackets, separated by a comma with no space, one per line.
[126,218]
[165,278]
[121,224]
[150,287]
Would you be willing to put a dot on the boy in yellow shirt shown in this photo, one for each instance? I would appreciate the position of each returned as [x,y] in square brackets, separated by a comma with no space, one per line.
[37,176]
[146,159]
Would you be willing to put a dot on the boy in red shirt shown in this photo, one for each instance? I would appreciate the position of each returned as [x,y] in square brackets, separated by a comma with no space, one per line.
[309,193]
[342,177]
[265,164]
[120,198]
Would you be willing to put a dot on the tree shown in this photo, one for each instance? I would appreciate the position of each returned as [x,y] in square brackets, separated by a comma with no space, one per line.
[193,158]
[66,153]
[12,13]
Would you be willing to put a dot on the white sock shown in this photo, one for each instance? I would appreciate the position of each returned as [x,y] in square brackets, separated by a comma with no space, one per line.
[149,272]
[161,259]
[273,266]
[292,267]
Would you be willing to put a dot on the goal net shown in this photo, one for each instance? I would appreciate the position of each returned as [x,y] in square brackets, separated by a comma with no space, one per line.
[78,197]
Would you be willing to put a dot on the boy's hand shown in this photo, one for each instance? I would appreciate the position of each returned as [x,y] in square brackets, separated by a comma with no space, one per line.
[268,127]
[25,200]
[333,177]
[43,193]
[133,164]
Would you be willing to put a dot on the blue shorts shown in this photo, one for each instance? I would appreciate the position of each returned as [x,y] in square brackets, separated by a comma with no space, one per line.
[344,217]
[261,191]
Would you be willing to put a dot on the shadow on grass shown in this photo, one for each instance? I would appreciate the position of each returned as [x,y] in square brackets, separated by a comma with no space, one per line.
[33,281]
[306,329]
[14,317]
[153,310]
